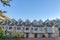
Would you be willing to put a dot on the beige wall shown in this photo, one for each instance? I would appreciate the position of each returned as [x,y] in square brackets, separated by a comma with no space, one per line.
[31,32]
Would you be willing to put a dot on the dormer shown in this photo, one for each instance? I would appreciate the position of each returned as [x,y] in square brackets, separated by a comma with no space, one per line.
[27,22]
[48,23]
[20,22]
[13,22]
[40,23]
[35,23]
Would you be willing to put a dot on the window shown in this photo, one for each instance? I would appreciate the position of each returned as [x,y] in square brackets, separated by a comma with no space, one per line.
[10,27]
[27,28]
[59,29]
[49,29]
[36,29]
[18,28]
[41,28]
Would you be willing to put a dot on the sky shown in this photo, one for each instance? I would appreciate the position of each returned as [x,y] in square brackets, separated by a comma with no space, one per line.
[33,9]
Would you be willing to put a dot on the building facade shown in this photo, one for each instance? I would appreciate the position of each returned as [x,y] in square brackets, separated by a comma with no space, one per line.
[35,29]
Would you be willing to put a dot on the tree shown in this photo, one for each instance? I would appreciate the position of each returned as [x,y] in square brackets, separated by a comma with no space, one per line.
[18,35]
[5,2]
[2,33]
[4,16]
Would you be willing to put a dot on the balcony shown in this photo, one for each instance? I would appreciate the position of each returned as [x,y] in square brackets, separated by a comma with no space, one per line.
[38,30]
[26,29]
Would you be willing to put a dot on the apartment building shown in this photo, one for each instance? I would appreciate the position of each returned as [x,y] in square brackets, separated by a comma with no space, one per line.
[35,29]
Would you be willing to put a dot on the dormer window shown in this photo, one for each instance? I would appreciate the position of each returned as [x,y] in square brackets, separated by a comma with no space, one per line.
[20,22]
[35,22]
[27,22]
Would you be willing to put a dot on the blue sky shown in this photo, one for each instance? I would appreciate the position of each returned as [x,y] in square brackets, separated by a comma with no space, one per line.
[33,9]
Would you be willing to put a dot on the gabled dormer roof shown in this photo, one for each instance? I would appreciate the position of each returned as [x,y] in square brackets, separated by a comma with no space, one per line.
[34,22]
[27,22]
[20,22]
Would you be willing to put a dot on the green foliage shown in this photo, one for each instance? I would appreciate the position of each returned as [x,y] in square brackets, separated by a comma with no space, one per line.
[2,34]
[19,34]
[6,2]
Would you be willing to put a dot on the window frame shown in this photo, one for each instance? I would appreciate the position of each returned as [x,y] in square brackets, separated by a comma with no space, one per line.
[10,27]
[18,28]
[41,29]
[49,29]
[26,28]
